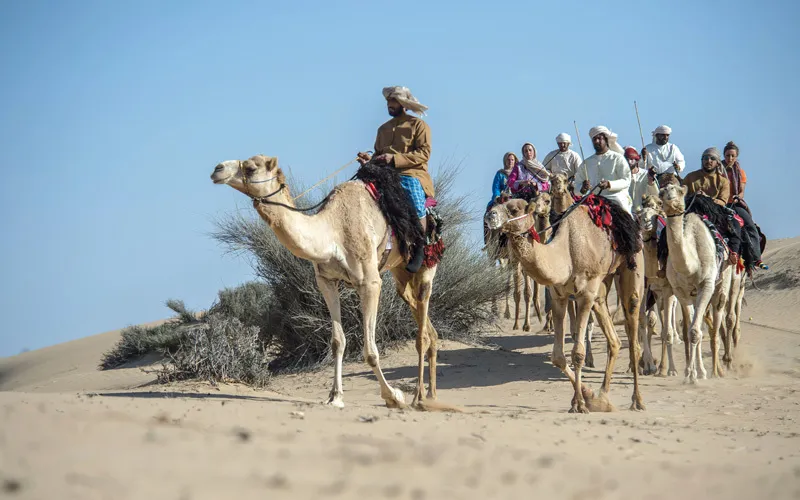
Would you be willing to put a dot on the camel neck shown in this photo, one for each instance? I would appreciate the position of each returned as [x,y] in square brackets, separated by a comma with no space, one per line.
[677,252]
[298,232]
[547,264]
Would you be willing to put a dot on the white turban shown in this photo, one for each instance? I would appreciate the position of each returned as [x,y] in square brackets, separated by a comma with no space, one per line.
[611,136]
[564,137]
[405,98]
[662,129]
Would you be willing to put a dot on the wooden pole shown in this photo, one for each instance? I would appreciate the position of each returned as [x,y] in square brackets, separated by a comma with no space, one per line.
[578,134]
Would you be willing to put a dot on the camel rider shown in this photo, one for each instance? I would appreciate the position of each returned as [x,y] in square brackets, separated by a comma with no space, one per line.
[404,142]
[710,181]
[641,182]
[529,177]
[607,167]
[500,182]
[737,179]
[562,160]
[661,156]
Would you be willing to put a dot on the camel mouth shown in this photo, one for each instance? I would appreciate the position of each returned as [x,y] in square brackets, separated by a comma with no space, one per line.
[220,180]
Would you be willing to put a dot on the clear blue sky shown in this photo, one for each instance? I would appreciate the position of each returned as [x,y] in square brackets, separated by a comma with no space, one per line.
[113,114]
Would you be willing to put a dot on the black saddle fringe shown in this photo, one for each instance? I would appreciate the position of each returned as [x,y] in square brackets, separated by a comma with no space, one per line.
[626,233]
[395,206]
[722,218]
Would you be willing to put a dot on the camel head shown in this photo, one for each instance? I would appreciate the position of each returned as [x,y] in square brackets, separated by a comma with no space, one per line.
[541,206]
[559,184]
[258,176]
[500,216]
[648,215]
[672,199]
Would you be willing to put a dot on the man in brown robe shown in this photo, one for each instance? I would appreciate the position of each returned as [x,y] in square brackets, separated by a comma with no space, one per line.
[404,142]
[709,180]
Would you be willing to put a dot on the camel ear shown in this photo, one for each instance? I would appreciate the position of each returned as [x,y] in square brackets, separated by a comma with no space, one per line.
[271,162]
[530,207]
[683,190]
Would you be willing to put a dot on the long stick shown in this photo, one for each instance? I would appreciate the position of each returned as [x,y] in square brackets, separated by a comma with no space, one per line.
[639,122]
[578,134]
[641,135]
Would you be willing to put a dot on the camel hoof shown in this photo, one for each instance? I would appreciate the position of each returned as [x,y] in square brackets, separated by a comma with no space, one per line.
[335,401]
[526,328]
[673,373]
[515,327]
[396,399]
[638,406]
[507,315]
[579,409]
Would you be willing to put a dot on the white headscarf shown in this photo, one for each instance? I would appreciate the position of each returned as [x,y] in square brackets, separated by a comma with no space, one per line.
[405,98]
[611,136]
[662,129]
[564,137]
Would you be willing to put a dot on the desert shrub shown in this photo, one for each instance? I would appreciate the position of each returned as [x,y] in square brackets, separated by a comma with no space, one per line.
[281,318]
[219,349]
[136,341]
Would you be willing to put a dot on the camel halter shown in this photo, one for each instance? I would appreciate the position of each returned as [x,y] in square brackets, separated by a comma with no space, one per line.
[264,200]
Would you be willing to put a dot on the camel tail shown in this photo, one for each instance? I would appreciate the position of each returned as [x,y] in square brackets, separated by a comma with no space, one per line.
[536,306]
[438,406]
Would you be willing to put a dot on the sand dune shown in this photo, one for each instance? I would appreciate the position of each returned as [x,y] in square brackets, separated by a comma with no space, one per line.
[71,431]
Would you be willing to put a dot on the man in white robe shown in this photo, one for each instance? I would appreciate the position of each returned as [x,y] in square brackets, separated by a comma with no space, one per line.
[641,182]
[607,167]
[662,156]
[562,160]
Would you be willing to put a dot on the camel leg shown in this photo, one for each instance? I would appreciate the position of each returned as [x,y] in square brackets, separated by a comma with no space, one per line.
[704,295]
[687,311]
[612,341]
[417,294]
[507,313]
[584,303]
[369,293]
[589,362]
[678,338]
[644,333]
[718,331]
[737,329]
[559,308]
[519,282]
[426,334]
[526,282]
[632,287]
[537,289]
[668,333]
[330,291]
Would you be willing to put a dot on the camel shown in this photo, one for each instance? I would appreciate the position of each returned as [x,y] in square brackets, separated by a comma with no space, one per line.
[345,242]
[648,215]
[580,261]
[561,201]
[524,287]
[695,279]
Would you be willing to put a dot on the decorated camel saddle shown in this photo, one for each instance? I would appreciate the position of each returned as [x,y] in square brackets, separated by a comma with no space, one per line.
[383,184]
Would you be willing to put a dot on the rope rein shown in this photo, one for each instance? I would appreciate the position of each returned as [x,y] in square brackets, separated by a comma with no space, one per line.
[561,218]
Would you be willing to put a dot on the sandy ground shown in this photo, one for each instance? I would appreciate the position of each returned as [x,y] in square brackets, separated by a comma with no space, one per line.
[70,431]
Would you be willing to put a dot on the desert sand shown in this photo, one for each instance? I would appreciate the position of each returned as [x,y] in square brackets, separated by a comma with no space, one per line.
[71,431]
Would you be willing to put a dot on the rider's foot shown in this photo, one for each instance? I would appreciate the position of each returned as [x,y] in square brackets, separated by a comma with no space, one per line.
[416,260]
